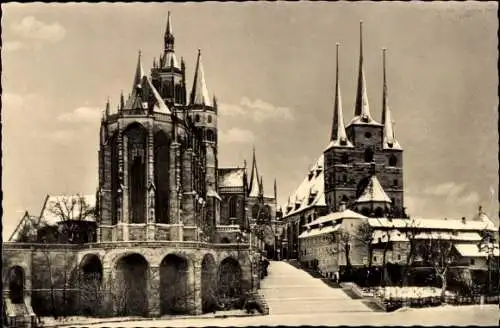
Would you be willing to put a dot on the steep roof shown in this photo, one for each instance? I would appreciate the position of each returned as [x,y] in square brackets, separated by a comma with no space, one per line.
[199,92]
[472,250]
[389,141]
[319,231]
[334,216]
[311,192]
[28,222]
[373,193]
[255,181]
[433,224]
[231,177]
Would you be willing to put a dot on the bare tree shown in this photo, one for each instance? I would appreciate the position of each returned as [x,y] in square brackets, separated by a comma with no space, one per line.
[410,232]
[438,253]
[385,275]
[70,212]
[345,239]
[487,245]
[364,235]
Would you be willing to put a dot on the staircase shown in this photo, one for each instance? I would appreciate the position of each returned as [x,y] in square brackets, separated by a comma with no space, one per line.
[19,315]
[289,290]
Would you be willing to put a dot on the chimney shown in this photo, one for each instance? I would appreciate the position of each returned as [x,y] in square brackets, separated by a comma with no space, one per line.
[464,220]
[342,206]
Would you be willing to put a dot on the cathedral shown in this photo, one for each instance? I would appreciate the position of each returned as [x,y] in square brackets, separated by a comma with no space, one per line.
[174,232]
[360,169]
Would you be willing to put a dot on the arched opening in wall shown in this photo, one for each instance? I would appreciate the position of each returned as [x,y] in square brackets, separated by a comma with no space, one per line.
[379,212]
[130,286]
[230,275]
[232,207]
[197,118]
[209,118]
[302,223]
[174,285]
[135,135]
[345,159]
[393,160]
[116,195]
[345,198]
[162,179]
[90,284]
[16,284]
[208,284]
[368,155]
[178,93]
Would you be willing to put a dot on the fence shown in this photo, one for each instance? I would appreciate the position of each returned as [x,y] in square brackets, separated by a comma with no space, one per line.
[392,304]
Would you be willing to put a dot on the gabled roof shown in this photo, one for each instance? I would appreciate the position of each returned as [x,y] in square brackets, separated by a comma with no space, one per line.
[199,92]
[373,193]
[311,192]
[334,216]
[319,231]
[29,222]
[231,177]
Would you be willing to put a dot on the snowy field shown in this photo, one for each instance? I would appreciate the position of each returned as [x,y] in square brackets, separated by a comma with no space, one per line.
[487,315]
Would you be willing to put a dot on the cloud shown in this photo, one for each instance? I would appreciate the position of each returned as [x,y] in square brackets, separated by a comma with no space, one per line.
[258,110]
[449,199]
[31,28]
[81,115]
[236,135]
[14,45]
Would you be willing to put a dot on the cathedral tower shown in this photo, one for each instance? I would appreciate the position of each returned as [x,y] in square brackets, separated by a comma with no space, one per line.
[364,155]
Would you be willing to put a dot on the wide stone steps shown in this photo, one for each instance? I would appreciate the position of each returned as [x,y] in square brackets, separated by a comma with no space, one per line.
[289,290]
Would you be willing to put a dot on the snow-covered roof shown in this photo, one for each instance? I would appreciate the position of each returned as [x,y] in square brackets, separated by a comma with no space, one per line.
[159,104]
[473,250]
[70,205]
[231,177]
[311,192]
[433,224]
[28,222]
[358,120]
[319,231]
[373,193]
[333,216]
[395,235]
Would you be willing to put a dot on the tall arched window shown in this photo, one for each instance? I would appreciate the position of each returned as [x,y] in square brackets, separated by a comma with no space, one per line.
[232,207]
[135,137]
[161,175]
[369,155]
[210,135]
[197,118]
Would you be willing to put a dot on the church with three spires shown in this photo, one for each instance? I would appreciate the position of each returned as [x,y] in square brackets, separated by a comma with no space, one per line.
[361,169]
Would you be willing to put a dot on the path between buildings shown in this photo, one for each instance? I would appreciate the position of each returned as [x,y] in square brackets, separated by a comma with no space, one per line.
[289,290]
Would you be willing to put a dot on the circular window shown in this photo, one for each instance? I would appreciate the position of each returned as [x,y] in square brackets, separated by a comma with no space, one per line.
[368,135]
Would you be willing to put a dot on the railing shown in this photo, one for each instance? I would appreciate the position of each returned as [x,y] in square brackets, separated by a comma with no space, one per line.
[228,228]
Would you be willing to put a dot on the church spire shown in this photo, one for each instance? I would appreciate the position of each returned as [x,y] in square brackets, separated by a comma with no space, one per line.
[169,36]
[139,73]
[338,128]
[199,92]
[107,111]
[122,100]
[254,178]
[389,136]
[362,108]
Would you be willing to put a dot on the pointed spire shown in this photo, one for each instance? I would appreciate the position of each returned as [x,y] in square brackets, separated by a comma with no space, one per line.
[261,186]
[275,191]
[107,112]
[254,177]
[122,100]
[139,73]
[155,64]
[362,108]
[214,101]
[199,92]
[389,136]
[169,36]
[338,128]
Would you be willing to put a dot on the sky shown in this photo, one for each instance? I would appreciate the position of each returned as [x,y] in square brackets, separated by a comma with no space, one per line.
[272,68]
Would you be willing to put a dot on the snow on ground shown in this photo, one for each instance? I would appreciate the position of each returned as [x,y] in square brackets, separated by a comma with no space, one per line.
[408,292]
[486,315]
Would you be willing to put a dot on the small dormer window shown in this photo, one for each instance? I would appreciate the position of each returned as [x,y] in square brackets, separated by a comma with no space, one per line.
[343,141]
[365,118]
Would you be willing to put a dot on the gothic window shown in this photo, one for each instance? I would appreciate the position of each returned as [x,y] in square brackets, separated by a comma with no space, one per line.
[161,177]
[393,161]
[197,118]
[345,159]
[136,147]
[345,198]
[209,118]
[379,212]
[210,135]
[395,182]
[232,207]
[369,155]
